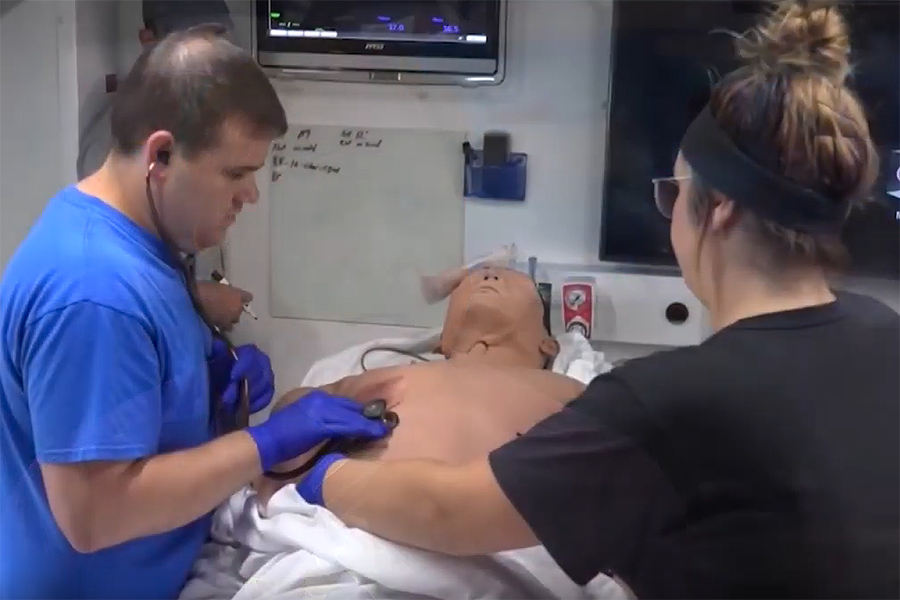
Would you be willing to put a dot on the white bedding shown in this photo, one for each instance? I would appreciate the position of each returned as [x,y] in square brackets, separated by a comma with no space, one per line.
[302,551]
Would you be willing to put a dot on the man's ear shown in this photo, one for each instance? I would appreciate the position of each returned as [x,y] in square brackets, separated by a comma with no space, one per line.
[549,347]
[146,37]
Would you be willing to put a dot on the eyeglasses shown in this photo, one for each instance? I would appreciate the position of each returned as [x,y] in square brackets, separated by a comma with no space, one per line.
[665,192]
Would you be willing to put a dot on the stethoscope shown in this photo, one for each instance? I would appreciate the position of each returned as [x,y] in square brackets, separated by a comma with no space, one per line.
[222,419]
[377,409]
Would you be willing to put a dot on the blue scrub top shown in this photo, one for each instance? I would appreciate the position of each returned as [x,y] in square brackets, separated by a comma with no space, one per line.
[102,357]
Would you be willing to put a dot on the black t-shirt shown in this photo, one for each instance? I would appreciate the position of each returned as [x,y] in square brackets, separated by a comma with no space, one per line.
[764,462]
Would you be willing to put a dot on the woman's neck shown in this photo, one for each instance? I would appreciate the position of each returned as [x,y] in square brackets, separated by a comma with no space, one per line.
[744,295]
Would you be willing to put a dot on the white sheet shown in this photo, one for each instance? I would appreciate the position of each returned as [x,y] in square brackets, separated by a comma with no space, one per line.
[299,551]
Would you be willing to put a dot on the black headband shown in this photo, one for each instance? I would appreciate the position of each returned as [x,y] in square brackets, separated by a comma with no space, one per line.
[720,163]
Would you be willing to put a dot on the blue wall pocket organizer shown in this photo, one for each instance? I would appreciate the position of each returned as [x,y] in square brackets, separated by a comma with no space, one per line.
[494,182]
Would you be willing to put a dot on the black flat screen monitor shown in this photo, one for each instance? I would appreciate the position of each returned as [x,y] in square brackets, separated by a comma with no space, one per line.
[445,38]
[665,55]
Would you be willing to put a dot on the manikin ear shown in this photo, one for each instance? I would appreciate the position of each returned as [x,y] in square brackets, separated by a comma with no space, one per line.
[549,347]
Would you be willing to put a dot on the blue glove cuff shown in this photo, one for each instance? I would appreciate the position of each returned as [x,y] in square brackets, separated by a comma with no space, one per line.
[267,445]
[312,486]
[219,363]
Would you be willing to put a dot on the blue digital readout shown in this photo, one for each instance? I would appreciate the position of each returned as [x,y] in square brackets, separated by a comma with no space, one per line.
[391,26]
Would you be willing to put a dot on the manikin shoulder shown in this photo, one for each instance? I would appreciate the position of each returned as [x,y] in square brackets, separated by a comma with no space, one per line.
[452,374]
[389,381]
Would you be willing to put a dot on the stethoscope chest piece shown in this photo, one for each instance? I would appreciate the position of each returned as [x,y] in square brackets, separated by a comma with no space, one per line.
[374,409]
[377,409]
[391,419]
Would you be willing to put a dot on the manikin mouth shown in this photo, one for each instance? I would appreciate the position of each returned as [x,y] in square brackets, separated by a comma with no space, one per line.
[487,287]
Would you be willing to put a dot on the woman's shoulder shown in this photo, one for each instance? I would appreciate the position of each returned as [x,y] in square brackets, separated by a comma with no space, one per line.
[678,380]
[867,310]
[665,364]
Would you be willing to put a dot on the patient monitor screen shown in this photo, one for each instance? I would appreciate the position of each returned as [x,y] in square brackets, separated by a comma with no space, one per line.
[666,54]
[446,21]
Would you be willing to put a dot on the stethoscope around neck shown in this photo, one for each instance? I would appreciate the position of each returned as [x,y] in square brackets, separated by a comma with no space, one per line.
[220,418]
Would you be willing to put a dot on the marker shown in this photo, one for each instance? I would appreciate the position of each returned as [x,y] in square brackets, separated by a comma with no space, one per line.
[221,279]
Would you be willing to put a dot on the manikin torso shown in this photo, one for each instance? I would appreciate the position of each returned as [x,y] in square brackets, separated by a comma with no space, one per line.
[453,410]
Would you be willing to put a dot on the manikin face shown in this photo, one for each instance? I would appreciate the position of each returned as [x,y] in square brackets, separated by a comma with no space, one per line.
[494,305]
[199,198]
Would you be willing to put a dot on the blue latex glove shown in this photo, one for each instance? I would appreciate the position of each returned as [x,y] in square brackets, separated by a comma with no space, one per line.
[303,425]
[310,488]
[226,374]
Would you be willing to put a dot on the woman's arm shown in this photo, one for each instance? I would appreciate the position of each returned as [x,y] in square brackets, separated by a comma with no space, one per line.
[588,494]
[458,510]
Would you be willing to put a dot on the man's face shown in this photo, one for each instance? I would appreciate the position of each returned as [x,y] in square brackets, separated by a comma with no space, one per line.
[203,195]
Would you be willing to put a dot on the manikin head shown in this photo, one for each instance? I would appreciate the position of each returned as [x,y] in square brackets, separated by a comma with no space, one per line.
[789,110]
[194,120]
[495,307]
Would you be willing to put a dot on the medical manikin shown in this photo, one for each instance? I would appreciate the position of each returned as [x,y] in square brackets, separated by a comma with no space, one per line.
[494,385]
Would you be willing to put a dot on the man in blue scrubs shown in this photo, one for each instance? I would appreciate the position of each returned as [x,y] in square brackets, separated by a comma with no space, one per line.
[111,466]
[223,303]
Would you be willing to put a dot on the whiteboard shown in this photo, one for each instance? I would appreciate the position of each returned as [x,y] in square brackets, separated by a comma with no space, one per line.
[358,215]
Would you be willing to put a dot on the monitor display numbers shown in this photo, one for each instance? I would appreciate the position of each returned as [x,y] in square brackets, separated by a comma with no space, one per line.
[445,27]
[421,21]
[391,24]
[407,41]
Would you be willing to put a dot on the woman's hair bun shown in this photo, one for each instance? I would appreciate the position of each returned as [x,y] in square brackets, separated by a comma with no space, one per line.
[799,37]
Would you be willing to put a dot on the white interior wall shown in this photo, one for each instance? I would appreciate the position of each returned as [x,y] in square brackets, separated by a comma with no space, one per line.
[552,103]
[97,35]
[54,55]
[38,112]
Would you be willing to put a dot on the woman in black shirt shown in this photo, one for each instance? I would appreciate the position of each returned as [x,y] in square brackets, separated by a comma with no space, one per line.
[761,463]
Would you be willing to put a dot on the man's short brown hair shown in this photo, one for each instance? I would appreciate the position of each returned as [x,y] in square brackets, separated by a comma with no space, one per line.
[189,84]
